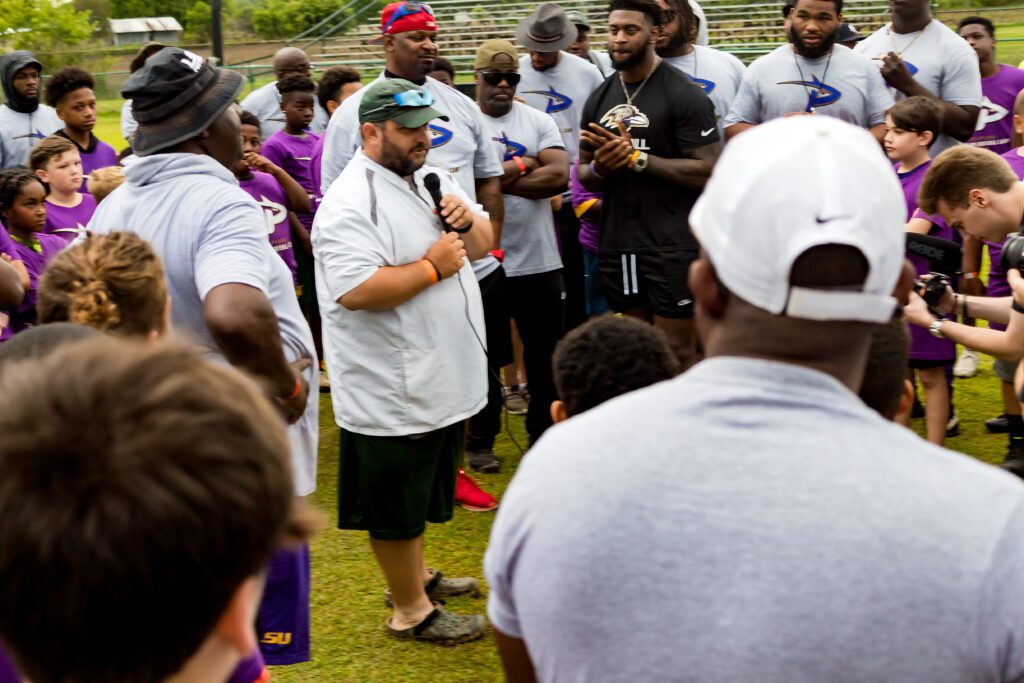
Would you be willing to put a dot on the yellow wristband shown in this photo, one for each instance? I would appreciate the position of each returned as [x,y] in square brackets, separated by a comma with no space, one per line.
[632,159]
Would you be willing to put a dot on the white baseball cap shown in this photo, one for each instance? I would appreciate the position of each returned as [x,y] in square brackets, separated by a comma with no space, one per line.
[796,183]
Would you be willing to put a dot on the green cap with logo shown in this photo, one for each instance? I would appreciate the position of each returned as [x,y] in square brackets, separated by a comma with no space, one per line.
[398,100]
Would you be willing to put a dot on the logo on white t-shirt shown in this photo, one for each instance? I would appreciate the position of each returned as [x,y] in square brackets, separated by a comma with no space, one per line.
[556,101]
[439,136]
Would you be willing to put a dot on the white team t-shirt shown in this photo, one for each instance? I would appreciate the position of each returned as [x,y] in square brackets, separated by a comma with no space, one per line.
[940,60]
[19,132]
[842,84]
[718,74]
[560,91]
[419,366]
[528,232]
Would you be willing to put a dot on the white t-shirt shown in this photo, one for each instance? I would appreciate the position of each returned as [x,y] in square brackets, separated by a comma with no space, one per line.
[528,232]
[265,103]
[560,91]
[667,536]
[128,122]
[20,132]
[419,366]
[602,61]
[940,60]
[208,232]
[459,145]
[847,86]
[718,74]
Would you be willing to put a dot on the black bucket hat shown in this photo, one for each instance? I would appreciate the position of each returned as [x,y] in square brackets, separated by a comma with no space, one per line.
[175,96]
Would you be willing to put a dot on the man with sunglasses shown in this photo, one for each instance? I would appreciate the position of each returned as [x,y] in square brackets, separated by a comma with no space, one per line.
[536,167]
[402,328]
[559,83]
[265,102]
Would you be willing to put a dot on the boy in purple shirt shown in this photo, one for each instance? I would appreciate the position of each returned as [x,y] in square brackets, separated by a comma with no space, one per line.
[911,127]
[277,193]
[23,210]
[56,162]
[587,207]
[1000,84]
[336,84]
[70,92]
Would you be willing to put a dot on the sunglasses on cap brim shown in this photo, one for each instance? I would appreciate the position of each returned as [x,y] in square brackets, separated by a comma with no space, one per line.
[496,77]
[405,10]
[407,98]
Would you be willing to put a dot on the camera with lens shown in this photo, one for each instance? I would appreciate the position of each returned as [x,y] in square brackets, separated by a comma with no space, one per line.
[1013,253]
[944,261]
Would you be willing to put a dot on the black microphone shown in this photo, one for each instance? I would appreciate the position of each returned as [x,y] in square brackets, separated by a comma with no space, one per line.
[433,185]
[942,255]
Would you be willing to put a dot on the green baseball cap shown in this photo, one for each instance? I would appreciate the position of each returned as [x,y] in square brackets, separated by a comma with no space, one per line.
[398,100]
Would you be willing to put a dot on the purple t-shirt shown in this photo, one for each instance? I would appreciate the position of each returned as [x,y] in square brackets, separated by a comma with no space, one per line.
[294,154]
[997,284]
[995,121]
[7,246]
[269,194]
[589,229]
[924,346]
[68,222]
[35,263]
[97,155]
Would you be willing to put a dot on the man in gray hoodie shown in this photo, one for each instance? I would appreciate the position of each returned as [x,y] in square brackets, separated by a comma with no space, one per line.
[23,120]
[231,293]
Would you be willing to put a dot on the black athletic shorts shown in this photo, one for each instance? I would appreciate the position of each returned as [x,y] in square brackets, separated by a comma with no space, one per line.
[656,282]
[392,486]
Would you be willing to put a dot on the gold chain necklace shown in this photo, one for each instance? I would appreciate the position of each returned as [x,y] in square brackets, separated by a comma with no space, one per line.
[892,39]
[636,93]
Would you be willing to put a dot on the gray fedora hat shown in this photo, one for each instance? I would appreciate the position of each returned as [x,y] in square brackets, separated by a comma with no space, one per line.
[547,29]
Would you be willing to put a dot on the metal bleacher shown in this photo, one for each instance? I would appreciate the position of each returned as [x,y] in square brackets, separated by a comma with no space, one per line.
[744,28]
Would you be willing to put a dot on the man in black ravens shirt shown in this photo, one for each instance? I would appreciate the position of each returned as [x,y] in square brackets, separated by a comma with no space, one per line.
[649,143]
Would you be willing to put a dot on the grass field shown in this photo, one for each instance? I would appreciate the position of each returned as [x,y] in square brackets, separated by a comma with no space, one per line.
[349,641]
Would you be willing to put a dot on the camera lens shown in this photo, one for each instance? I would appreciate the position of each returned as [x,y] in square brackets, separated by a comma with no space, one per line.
[1013,253]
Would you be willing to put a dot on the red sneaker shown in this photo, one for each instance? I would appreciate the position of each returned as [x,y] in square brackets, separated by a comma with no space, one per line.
[470,496]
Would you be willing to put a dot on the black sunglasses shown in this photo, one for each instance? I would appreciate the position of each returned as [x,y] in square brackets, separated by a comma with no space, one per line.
[496,77]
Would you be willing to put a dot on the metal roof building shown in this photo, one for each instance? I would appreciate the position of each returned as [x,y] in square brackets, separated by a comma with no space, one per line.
[142,29]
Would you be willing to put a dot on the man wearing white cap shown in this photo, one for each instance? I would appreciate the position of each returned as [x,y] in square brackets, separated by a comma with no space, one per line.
[752,519]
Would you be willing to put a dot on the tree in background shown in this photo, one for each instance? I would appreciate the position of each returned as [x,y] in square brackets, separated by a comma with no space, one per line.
[287,18]
[197,22]
[43,26]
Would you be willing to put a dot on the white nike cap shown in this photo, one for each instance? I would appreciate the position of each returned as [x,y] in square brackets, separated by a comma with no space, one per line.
[796,183]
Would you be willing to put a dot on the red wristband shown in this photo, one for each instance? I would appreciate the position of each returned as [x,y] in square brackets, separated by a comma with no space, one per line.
[521,165]
[297,390]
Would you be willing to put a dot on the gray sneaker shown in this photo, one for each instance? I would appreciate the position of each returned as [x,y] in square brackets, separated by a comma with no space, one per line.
[516,402]
[440,587]
[443,628]
[483,461]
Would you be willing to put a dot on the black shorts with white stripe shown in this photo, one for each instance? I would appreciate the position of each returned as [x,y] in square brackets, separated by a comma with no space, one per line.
[656,282]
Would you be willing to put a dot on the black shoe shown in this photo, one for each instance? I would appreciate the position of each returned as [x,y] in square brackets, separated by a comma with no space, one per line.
[998,425]
[483,461]
[917,410]
[953,424]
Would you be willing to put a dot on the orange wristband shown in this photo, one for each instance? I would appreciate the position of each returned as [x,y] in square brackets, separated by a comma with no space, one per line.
[296,391]
[432,271]
[521,165]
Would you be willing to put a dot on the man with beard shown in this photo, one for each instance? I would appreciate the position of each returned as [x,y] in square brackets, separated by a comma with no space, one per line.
[650,143]
[811,75]
[403,328]
[536,168]
[581,46]
[559,83]
[717,73]
[919,55]
[23,120]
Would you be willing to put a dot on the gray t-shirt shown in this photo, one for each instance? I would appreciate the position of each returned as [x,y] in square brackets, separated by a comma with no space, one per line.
[528,232]
[718,74]
[939,59]
[208,232]
[265,103]
[560,91]
[19,132]
[846,86]
[754,521]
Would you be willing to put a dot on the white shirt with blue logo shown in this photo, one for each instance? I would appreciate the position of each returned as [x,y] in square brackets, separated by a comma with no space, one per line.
[20,132]
[718,74]
[528,232]
[844,85]
[560,91]
[939,59]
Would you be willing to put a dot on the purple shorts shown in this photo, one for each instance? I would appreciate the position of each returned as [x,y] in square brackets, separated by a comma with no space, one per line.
[283,621]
